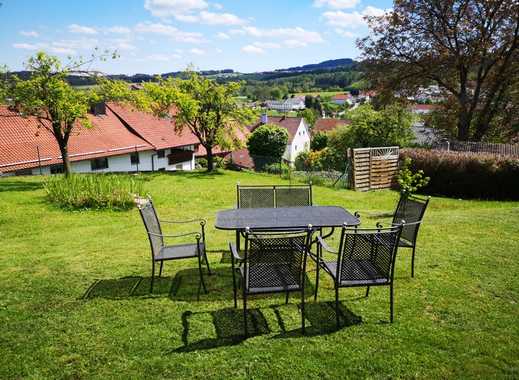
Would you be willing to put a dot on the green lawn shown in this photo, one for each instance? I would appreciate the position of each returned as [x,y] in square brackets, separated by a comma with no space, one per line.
[459,317]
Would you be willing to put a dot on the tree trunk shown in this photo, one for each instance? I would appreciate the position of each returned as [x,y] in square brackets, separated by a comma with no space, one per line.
[210,158]
[66,160]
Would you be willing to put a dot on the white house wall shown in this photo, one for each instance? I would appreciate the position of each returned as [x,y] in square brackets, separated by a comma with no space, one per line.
[300,143]
[122,164]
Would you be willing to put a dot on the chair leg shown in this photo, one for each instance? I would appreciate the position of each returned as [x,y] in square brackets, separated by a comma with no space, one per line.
[234,287]
[245,314]
[337,306]
[367,292]
[207,263]
[201,274]
[152,276]
[303,310]
[412,262]
[160,270]
[391,302]
[317,270]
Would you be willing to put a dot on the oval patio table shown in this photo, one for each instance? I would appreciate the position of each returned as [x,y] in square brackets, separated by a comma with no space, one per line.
[283,218]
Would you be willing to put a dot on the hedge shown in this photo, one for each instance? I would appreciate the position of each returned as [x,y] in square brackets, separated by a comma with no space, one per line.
[467,175]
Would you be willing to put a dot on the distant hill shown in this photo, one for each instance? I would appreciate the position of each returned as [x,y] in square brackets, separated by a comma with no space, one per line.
[325,65]
[328,67]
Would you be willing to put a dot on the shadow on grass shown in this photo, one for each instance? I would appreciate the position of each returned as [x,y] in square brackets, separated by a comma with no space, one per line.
[229,328]
[8,185]
[184,286]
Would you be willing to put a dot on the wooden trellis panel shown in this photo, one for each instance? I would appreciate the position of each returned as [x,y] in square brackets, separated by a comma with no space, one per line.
[374,168]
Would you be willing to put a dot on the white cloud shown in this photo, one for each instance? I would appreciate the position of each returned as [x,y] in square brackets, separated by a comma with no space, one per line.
[223,36]
[211,18]
[119,30]
[169,31]
[251,49]
[81,29]
[219,51]
[170,8]
[25,46]
[351,20]
[217,6]
[345,33]
[29,33]
[161,57]
[267,45]
[297,33]
[294,43]
[336,4]
[197,51]
[56,49]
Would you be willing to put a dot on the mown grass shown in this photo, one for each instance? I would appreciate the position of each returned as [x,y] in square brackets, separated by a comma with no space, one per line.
[457,318]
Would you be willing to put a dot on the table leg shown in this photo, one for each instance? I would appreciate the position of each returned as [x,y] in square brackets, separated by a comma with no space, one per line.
[238,240]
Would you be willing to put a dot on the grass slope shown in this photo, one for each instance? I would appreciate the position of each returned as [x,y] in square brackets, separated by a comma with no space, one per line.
[457,318]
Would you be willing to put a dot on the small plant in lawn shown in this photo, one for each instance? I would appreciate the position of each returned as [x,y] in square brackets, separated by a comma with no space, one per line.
[93,191]
[410,182]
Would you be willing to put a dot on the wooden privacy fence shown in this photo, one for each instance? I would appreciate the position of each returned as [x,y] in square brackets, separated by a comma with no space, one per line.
[373,168]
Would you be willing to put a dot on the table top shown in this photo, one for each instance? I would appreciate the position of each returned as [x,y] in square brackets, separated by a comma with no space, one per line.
[284,217]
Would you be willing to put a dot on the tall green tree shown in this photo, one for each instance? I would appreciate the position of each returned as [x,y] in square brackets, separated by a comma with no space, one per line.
[48,97]
[268,141]
[370,128]
[468,47]
[207,109]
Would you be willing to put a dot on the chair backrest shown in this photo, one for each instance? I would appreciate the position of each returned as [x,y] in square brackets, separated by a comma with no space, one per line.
[275,259]
[367,253]
[152,224]
[410,209]
[274,196]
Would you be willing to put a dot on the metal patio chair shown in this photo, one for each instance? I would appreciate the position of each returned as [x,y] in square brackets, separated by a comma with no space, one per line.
[411,209]
[261,196]
[366,257]
[271,262]
[161,252]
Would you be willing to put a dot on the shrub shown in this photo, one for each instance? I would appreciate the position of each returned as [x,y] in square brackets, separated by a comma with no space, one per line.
[408,181]
[93,191]
[277,168]
[268,141]
[201,163]
[319,141]
[467,175]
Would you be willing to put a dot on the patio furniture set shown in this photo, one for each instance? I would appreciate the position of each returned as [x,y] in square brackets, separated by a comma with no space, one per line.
[281,229]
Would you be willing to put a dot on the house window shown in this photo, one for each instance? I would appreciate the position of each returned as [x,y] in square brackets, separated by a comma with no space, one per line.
[295,147]
[99,163]
[161,153]
[56,169]
[134,158]
[179,167]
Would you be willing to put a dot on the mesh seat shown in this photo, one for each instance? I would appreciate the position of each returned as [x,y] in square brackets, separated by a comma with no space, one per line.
[366,257]
[410,209]
[272,262]
[161,252]
[180,251]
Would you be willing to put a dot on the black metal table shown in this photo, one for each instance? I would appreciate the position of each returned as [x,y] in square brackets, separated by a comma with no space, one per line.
[284,217]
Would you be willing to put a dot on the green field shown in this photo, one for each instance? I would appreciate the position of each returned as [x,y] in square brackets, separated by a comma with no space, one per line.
[458,318]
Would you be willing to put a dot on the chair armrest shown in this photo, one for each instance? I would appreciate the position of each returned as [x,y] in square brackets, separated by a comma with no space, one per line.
[234,252]
[325,245]
[183,221]
[196,234]
[406,224]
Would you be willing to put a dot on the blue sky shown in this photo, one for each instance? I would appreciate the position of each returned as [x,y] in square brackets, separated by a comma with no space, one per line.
[155,36]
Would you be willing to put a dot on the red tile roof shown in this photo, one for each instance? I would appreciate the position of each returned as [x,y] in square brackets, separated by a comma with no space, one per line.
[159,132]
[341,96]
[424,107]
[328,124]
[291,124]
[20,139]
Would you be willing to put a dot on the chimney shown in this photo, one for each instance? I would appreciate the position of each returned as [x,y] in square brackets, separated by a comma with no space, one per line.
[98,109]
[264,118]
